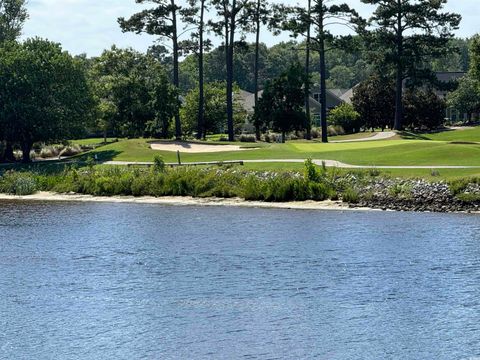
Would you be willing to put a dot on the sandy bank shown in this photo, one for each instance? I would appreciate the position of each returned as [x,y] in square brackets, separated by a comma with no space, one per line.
[183,201]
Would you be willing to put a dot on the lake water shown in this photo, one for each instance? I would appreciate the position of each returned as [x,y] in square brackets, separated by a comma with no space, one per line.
[129,281]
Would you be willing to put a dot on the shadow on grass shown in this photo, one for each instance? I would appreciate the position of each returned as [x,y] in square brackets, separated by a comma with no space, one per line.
[56,166]
[99,156]
[407,135]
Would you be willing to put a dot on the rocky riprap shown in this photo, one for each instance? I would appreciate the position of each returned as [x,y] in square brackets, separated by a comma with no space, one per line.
[414,195]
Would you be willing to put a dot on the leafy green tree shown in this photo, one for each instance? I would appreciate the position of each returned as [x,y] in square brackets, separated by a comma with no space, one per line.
[195,16]
[44,94]
[457,60]
[161,20]
[406,34]
[319,15]
[233,17]
[475,57]
[344,115]
[281,104]
[374,100]
[164,102]
[466,98]
[135,90]
[424,110]
[215,110]
[13,15]
[261,16]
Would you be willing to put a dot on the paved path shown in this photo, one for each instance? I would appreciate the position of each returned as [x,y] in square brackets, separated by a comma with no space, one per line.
[378,136]
[328,163]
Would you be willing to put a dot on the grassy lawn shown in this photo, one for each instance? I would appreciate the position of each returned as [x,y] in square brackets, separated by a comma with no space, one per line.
[467,135]
[376,153]
[91,141]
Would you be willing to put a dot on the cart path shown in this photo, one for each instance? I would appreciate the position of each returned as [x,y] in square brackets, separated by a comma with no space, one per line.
[328,163]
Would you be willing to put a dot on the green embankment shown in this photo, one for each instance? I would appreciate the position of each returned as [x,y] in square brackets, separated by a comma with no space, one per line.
[375,153]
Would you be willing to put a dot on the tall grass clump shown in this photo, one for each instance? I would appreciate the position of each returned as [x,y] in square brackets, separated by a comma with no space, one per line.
[316,183]
[18,183]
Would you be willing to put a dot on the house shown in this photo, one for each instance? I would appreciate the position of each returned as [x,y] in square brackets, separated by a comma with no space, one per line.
[450,77]
[333,100]
[443,77]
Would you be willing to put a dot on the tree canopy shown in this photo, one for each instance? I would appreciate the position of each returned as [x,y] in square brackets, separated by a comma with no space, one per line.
[44,94]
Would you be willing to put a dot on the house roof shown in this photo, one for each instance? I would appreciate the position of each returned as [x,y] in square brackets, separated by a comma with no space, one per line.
[448,76]
[338,92]
[248,100]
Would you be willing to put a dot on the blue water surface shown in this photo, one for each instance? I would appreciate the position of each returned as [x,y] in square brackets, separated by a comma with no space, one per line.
[130,281]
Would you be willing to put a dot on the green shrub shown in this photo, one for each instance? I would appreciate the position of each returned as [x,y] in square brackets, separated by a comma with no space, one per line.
[404,191]
[18,183]
[351,196]
[345,116]
[469,198]
[458,186]
[158,163]
[247,138]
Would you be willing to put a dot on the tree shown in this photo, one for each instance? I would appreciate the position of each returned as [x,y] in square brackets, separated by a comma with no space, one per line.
[475,57]
[374,100]
[424,110]
[233,15]
[134,92]
[261,16]
[320,15]
[195,15]
[281,104]
[466,98]
[345,116]
[44,94]
[13,15]
[407,33]
[162,20]
[215,110]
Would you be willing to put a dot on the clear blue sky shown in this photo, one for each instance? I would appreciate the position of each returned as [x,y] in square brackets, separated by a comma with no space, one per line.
[89,26]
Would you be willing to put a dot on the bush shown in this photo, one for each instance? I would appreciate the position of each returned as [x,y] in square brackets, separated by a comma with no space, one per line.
[458,186]
[71,150]
[350,196]
[345,116]
[247,138]
[335,130]
[316,133]
[18,183]
[424,110]
[401,191]
[469,198]
[158,163]
[184,181]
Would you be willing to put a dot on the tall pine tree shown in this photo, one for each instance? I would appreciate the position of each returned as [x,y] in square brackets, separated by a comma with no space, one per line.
[161,20]
[319,15]
[406,33]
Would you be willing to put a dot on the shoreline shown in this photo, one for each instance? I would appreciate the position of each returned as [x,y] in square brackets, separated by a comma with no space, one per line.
[327,205]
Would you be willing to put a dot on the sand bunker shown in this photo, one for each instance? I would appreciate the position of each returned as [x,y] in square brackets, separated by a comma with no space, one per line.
[186,147]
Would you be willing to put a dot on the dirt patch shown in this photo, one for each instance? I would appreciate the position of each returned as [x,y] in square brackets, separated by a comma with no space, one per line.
[186,147]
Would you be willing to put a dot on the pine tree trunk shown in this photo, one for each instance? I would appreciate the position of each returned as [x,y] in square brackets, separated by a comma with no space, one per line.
[176,81]
[230,50]
[26,148]
[308,126]
[323,81]
[257,61]
[201,87]
[8,154]
[399,76]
